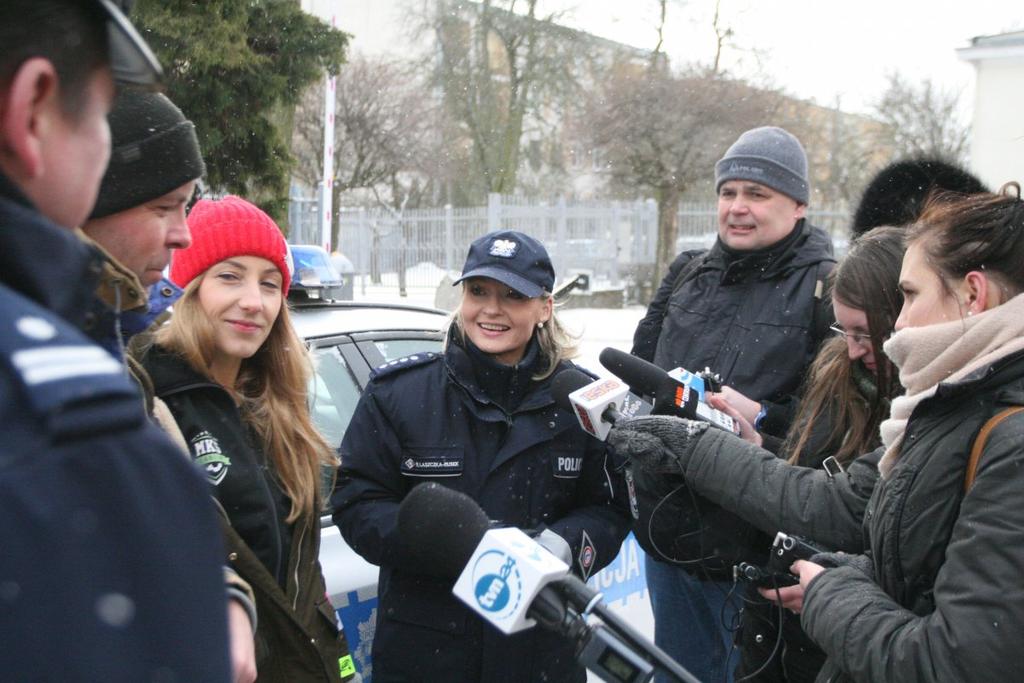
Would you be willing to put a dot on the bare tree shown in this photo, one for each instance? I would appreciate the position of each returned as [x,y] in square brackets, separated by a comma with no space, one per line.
[661,132]
[501,68]
[844,150]
[922,120]
[722,35]
[384,141]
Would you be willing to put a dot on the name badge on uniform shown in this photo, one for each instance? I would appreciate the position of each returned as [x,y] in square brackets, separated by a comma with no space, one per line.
[432,462]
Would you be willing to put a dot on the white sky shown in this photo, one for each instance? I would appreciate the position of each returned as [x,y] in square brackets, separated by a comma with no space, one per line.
[815,49]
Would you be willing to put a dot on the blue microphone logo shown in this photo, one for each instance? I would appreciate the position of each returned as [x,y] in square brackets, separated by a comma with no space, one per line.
[498,586]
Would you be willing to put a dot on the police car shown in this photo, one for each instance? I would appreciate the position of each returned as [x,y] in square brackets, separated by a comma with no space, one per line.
[347,341]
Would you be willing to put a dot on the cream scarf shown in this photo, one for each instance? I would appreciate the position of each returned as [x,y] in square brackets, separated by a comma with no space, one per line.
[945,352]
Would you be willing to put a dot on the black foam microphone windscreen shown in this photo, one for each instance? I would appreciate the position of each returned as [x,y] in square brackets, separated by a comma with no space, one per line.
[643,377]
[439,528]
[566,382]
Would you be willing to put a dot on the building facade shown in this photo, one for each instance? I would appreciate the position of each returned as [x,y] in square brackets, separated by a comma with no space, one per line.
[997,140]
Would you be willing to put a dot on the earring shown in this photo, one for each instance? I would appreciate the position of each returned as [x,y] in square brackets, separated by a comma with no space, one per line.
[540,326]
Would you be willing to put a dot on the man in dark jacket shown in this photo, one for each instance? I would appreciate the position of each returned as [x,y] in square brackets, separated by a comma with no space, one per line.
[139,217]
[96,507]
[138,220]
[751,309]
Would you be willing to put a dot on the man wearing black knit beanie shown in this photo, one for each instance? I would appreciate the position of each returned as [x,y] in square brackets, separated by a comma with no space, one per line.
[139,217]
[138,220]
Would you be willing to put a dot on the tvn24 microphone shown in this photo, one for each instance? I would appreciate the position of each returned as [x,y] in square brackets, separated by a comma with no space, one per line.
[672,395]
[512,582]
[598,404]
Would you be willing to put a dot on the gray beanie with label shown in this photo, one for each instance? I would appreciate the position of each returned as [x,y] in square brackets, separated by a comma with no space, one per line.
[770,156]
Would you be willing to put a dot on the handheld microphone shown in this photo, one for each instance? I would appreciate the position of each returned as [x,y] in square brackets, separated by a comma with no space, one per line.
[672,395]
[500,571]
[512,582]
[439,528]
[597,404]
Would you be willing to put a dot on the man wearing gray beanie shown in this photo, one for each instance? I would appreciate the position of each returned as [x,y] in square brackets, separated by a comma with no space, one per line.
[752,309]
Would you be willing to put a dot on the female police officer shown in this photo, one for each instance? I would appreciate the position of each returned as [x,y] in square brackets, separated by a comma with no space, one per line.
[478,418]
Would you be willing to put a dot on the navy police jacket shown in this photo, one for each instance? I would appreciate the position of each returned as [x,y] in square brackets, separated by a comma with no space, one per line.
[427,418]
[97,507]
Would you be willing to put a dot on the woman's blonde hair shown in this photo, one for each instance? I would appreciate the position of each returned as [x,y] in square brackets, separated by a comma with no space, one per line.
[272,385]
[556,343]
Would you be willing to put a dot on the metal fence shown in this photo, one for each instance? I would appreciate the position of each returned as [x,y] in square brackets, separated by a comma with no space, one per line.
[610,240]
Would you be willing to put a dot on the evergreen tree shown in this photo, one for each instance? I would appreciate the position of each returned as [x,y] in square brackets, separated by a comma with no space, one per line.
[237,68]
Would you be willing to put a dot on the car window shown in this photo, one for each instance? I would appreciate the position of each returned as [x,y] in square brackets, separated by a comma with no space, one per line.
[333,393]
[398,348]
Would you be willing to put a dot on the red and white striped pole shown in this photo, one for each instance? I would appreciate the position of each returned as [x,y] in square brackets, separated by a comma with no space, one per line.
[327,195]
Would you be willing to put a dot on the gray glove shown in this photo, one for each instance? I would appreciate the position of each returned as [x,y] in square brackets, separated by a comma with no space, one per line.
[861,563]
[555,544]
[657,443]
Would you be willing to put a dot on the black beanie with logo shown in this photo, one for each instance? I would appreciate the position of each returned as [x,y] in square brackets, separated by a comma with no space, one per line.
[153,151]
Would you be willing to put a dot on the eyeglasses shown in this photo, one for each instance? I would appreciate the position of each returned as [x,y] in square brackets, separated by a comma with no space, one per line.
[858,338]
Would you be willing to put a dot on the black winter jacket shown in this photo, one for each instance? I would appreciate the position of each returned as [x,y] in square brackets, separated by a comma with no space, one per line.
[97,506]
[427,418]
[946,602]
[755,318]
[797,659]
[297,637]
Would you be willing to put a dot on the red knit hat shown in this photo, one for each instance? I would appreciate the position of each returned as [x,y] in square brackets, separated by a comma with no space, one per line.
[225,228]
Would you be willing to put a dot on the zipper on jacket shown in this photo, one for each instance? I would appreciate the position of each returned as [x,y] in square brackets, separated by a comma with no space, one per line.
[264,469]
[297,546]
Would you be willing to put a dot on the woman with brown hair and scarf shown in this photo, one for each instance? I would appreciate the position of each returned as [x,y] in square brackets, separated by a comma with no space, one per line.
[938,596]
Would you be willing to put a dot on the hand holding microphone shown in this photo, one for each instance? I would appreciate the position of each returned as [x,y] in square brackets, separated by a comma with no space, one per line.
[657,443]
[677,392]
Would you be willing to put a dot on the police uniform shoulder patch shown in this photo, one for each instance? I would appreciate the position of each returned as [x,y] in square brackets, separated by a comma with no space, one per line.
[76,387]
[55,363]
[404,363]
[587,556]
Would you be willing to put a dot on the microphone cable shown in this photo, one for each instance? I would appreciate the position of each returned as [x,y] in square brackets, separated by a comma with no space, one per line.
[778,638]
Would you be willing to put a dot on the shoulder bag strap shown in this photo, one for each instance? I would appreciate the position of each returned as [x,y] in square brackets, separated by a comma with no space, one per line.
[687,272]
[979,443]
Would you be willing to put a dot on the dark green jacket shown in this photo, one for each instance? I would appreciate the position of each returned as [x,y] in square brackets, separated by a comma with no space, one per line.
[946,602]
[297,636]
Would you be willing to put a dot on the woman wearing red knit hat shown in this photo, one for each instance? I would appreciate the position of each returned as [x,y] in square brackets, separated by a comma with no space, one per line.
[234,374]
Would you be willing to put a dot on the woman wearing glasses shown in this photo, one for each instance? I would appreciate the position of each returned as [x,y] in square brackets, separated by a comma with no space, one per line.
[846,396]
[939,596]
